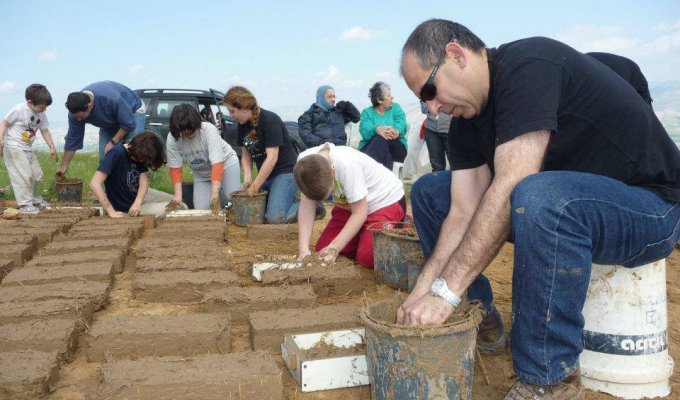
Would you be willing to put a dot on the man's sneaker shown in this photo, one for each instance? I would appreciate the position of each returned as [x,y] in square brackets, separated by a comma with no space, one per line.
[28,210]
[43,204]
[568,389]
[320,211]
[491,337]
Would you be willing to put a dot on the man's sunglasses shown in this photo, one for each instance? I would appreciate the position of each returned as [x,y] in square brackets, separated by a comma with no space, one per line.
[429,89]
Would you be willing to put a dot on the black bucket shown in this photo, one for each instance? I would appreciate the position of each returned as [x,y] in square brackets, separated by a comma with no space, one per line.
[420,362]
[188,194]
[249,210]
[397,255]
[69,190]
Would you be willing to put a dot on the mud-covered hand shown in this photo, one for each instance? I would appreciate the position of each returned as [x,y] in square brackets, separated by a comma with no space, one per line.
[215,205]
[134,210]
[328,254]
[303,254]
[174,205]
[427,310]
[252,190]
[53,153]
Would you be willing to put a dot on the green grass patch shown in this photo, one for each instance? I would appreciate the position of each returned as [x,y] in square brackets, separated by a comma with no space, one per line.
[82,166]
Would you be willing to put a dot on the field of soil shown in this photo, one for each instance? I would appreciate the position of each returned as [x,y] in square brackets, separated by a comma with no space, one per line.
[226,282]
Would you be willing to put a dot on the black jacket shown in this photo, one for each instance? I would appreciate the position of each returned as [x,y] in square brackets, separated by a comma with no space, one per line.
[318,126]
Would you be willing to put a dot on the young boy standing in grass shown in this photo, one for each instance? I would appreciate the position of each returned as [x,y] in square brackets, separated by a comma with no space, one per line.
[20,124]
[124,173]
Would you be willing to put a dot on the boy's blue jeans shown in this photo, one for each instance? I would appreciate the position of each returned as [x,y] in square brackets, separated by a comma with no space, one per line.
[562,222]
[281,205]
[107,134]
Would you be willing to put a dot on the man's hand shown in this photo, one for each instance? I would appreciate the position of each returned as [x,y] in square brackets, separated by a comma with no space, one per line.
[54,154]
[328,254]
[134,209]
[215,205]
[426,310]
[252,190]
[115,214]
[108,147]
[59,176]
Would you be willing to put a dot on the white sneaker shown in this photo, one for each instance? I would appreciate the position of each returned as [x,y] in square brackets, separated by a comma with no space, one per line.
[43,204]
[28,210]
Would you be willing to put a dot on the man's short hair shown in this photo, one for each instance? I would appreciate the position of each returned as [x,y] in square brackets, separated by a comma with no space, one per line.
[38,95]
[77,102]
[314,176]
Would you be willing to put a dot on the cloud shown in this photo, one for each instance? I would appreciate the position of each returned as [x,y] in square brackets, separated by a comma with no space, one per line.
[667,26]
[134,70]
[361,33]
[49,55]
[7,86]
[386,76]
[330,75]
[587,38]
[668,42]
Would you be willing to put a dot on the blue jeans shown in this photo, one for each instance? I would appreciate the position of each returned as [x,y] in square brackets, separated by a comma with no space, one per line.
[281,205]
[562,222]
[105,135]
[430,201]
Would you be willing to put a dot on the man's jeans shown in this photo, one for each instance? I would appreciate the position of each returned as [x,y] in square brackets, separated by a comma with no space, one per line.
[562,222]
[105,135]
[281,205]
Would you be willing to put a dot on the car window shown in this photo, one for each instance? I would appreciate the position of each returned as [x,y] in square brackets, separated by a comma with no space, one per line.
[146,102]
[164,107]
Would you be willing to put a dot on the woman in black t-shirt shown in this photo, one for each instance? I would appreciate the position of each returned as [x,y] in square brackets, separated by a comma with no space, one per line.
[264,140]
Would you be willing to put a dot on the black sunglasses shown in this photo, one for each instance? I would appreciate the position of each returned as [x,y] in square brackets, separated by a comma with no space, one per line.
[429,89]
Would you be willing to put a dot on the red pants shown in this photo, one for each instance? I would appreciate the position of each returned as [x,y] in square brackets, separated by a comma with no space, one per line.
[361,245]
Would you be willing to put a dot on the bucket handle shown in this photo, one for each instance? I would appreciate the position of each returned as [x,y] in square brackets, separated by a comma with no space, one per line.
[380,225]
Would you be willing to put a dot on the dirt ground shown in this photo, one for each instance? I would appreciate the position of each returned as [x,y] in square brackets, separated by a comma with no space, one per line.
[493,374]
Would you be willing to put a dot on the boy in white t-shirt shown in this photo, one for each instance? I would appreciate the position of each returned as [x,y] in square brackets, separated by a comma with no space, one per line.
[20,124]
[364,192]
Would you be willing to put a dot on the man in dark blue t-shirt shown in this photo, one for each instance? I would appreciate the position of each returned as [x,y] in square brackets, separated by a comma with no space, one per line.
[549,147]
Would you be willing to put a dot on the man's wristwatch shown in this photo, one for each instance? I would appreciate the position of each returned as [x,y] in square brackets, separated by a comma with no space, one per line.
[439,288]
[113,142]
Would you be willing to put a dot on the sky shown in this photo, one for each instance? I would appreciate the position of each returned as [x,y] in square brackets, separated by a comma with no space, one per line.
[284,50]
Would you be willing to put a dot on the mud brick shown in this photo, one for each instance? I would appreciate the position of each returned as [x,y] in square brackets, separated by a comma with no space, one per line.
[126,234]
[268,327]
[27,239]
[12,313]
[113,222]
[247,375]
[272,232]
[209,233]
[44,235]
[50,334]
[164,243]
[117,257]
[60,227]
[101,271]
[206,219]
[180,286]
[18,253]
[326,281]
[28,374]
[96,292]
[156,265]
[204,251]
[135,230]
[119,336]
[5,267]
[241,301]
[76,246]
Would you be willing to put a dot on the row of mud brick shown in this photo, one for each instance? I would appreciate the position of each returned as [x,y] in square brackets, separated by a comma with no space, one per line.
[153,356]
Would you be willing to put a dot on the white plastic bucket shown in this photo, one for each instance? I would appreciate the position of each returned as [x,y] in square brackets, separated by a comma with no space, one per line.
[625,337]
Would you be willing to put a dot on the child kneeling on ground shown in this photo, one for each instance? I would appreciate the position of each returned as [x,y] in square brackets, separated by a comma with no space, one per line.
[124,173]
[364,192]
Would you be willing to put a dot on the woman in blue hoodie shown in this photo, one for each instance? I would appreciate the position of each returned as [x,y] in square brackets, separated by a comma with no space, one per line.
[325,120]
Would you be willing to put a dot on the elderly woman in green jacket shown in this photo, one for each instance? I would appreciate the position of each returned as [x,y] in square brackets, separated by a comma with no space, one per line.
[383,127]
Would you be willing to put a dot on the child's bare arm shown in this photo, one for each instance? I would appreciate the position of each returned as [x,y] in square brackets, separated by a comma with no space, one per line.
[96,186]
[141,193]
[4,125]
[48,139]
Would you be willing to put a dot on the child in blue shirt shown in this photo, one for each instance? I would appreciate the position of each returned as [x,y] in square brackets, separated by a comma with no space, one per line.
[124,173]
